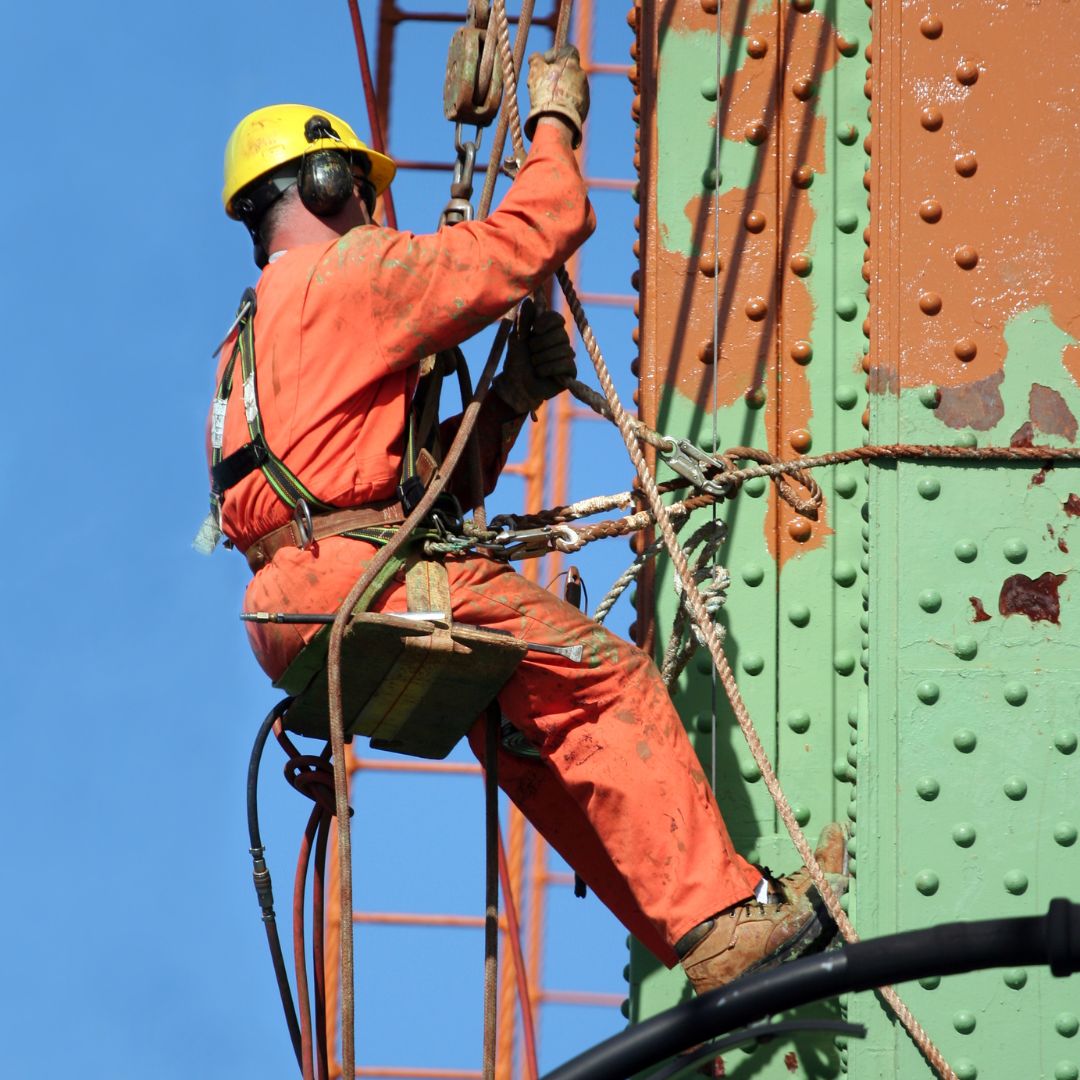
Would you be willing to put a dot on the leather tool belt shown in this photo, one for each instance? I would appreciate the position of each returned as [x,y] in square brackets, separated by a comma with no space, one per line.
[306,528]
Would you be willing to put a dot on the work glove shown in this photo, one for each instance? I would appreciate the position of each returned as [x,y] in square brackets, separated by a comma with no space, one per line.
[539,360]
[558,86]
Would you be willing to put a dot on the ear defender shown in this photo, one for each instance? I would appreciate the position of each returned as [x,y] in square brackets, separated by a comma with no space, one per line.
[325,179]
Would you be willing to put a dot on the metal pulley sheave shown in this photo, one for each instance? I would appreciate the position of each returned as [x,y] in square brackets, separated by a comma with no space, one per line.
[472,92]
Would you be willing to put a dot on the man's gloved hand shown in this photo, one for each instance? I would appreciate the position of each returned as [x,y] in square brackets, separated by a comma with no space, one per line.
[539,360]
[558,86]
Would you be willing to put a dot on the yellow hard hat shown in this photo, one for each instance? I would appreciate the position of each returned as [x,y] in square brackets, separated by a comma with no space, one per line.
[273,136]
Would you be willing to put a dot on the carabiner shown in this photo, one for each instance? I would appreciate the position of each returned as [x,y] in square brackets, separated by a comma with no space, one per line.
[691,463]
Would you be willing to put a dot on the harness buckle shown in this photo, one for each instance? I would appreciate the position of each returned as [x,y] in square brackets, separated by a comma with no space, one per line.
[693,464]
[305,529]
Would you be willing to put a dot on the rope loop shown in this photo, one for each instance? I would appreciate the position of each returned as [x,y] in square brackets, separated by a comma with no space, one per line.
[785,490]
[312,775]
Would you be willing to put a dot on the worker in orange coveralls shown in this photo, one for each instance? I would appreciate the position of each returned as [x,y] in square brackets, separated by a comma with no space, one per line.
[346,311]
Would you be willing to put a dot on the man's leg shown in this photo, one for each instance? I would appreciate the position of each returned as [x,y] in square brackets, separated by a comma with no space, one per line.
[617,758]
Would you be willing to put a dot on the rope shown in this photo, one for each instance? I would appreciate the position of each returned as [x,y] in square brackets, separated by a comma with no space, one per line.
[709,632]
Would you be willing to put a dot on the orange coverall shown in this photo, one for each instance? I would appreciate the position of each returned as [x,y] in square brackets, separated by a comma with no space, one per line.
[339,332]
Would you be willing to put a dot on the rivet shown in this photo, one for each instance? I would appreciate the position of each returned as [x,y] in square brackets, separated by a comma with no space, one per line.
[707,353]
[753,574]
[710,178]
[802,352]
[1015,978]
[1016,882]
[1015,550]
[966,164]
[966,647]
[1065,833]
[965,740]
[868,147]
[848,134]
[801,264]
[1065,741]
[965,1069]
[799,614]
[868,89]
[800,440]
[757,47]
[930,982]
[803,176]
[852,810]
[930,26]
[1015,693]
[635,281]
[755,397]
[930,600]
[928,487]
[1067,1024]
[1066,1070]
[846,396]
[864,622]
[800,530]
[867,181]
[755,221]
[624,1005]
[755,132]
[967,258]
[803,88]
[1015,788]
[927,882]
[756,308]
[865,272]
[929,303]
[803,5]
[928,788]
[844,574]
[710,90]
[967,439]
[966,550]
[708,264]
[846,485]
[930,396]
[847,307]
[928,692]
[853,760]
[964,1022]
[844,662]
[931,118]
[965,349]
[967,72]
[749,771]
[930,210]
[865,418]
[866,326]
[755,486]
[847,221]
[635,367]
[847,46]
[799,721]
[963,834]
[753,663]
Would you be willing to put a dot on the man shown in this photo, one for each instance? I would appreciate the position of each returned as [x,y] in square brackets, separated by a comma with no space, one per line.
[346,311]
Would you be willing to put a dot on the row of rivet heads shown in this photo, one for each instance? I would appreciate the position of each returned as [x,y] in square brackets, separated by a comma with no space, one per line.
[930,210]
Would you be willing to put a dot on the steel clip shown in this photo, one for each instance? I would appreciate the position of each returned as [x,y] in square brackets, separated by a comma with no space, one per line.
[691,463]
[522,543]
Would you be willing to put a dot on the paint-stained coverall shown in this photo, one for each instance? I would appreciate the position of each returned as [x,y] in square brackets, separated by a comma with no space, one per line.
[340,330]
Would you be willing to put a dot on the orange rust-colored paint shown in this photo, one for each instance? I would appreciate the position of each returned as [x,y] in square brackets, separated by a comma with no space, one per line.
[987,130]
[765,319]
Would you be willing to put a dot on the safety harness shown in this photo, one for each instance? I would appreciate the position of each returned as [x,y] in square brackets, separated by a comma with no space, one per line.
[422,698]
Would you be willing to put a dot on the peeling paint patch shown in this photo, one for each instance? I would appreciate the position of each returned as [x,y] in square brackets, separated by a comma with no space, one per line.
[977,405]
[1050,413]
[1071,506]
[980,612]
[1036,598]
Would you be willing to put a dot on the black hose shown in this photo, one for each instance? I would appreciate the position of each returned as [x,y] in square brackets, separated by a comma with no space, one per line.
[261,875]
[950,949]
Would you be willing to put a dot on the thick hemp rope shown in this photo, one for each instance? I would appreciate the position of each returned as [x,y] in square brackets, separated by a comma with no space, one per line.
[700,616]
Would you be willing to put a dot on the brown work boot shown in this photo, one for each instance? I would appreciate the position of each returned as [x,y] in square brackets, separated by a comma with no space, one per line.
[753,937]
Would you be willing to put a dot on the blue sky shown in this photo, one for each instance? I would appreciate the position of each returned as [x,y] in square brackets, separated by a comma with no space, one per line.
[132,941]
